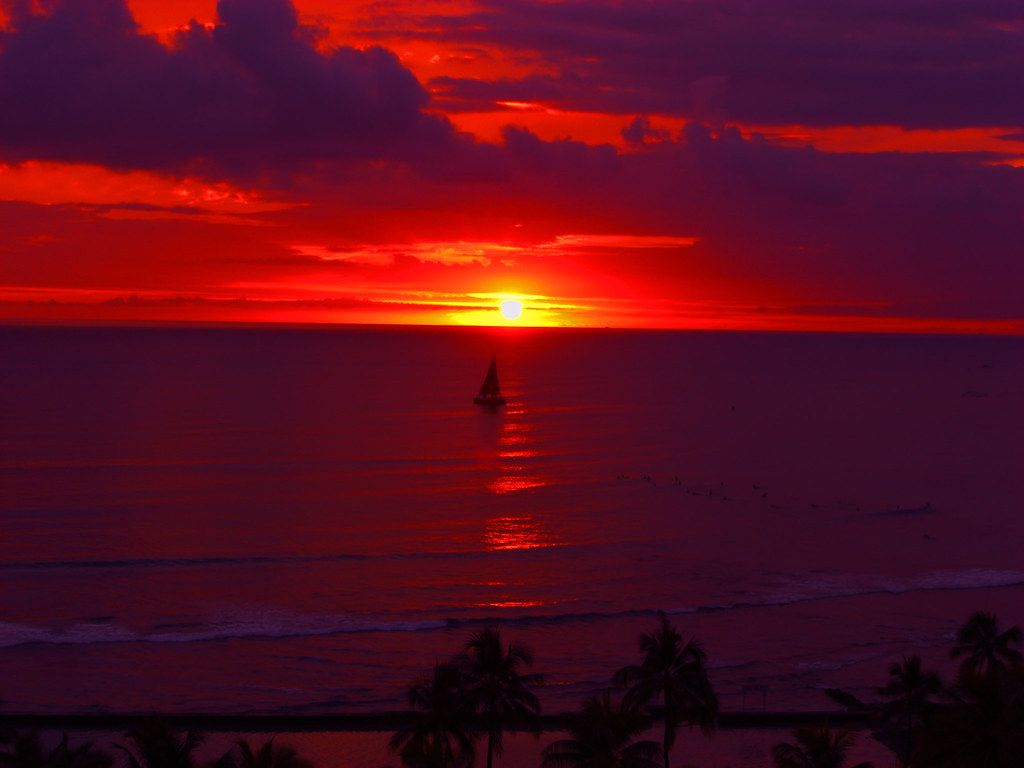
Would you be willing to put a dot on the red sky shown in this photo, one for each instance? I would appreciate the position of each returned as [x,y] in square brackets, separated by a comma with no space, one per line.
[856,165]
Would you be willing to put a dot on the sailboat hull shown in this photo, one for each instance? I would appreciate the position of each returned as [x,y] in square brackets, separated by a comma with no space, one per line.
[489,400]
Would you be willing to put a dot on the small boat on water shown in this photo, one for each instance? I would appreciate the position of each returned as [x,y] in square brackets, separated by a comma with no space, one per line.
[490,392]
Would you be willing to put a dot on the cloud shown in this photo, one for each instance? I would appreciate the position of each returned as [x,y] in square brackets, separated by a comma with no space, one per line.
[255,110]
[252,95]
[50,183]
[484,253]
[458,253]
[640,131]
[916,63]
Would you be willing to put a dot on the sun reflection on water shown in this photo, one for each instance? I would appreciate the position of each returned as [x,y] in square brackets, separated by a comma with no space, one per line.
[513,484]
[522,532]
[514,445]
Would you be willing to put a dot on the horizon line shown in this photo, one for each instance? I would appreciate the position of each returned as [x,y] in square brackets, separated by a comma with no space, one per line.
[341,325]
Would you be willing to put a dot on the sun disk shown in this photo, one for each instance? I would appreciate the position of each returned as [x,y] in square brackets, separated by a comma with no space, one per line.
[511,309]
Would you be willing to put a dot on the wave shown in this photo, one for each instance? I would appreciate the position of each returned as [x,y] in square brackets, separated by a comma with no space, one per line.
[282,625]
[821,589]
[839,586]
[274,626]
[227,560]
[243,560]
[12,634]
[174,562]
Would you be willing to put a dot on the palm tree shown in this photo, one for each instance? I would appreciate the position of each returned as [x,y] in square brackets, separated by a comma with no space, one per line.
[676,673]
[984,647]
[439,736]
[85,755]
[21,749]
[816,747]
[154,744]
[983,727]
[270,755]
[26,750]
[497,690]
[602,737]
[908,691]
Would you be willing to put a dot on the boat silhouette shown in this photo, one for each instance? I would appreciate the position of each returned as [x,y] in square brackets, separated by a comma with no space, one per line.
[490,391]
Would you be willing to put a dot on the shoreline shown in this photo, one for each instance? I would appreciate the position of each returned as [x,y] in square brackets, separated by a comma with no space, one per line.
[382,721]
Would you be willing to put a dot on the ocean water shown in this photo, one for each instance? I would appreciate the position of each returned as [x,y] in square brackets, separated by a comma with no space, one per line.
[303,520]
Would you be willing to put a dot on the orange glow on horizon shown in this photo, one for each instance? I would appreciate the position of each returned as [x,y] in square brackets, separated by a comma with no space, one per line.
[20,304]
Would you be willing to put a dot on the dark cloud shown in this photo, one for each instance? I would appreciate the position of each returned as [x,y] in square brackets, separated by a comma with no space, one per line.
[79,82]
[640,131]
[940,63]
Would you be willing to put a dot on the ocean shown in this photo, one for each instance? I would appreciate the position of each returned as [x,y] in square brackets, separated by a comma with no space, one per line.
[293,520]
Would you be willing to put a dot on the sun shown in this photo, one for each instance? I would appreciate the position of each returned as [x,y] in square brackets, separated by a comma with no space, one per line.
[511,309]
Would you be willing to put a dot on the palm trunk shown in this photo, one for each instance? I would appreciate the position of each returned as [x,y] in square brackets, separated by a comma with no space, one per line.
[910,735]
[492,728]
[664,743]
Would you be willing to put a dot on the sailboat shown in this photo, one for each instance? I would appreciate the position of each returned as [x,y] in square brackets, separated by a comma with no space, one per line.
[490,391]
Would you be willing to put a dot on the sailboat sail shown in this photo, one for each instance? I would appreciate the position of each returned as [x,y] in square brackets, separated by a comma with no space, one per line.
[490,386]
[490,393]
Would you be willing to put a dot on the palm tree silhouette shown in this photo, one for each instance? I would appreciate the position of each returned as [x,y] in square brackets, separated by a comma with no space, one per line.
[908,691]
[984,648]
[602,737]
[22,749]
[269,755]
[439,736]
[676,673]
[497,690]
[154,744]
[983,727]
[816,747]
[26,750]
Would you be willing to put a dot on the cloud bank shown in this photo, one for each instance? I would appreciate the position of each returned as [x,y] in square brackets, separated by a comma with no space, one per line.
[80,82]
[341,180]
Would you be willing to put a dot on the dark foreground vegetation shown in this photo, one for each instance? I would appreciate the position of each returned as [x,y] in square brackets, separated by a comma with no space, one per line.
[463,708]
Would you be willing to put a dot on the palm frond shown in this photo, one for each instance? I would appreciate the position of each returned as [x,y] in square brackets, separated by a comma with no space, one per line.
[846,699]
[129,757]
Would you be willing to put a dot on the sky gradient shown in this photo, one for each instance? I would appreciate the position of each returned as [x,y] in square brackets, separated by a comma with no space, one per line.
[856,165]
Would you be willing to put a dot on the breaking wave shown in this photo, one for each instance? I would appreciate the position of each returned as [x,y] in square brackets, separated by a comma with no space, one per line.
[277,624]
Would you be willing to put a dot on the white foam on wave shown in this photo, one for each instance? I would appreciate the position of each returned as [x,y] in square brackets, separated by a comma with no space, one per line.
[275,624]
[13,634]
[270,624]
[798,589]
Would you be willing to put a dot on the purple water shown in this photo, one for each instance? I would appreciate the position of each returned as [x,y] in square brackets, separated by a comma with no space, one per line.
[254,520]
